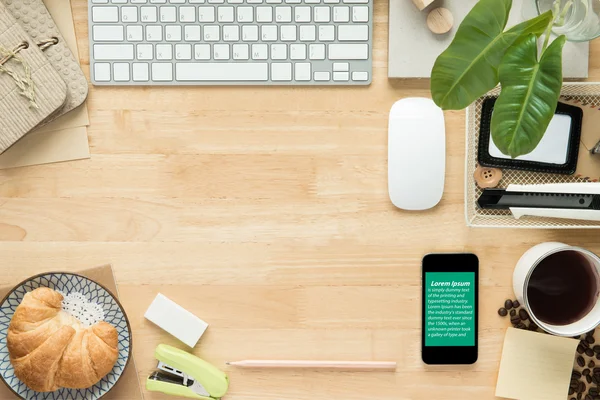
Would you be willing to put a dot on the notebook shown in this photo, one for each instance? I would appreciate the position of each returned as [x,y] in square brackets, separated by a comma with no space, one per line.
[26,70]
[407,26]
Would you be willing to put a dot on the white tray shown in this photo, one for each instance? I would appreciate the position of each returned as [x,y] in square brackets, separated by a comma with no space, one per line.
[586,93]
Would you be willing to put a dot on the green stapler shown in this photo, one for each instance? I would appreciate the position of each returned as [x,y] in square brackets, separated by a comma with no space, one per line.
[182,374]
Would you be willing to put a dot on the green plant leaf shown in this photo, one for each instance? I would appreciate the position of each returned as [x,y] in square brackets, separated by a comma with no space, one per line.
[468,68]
[530,92]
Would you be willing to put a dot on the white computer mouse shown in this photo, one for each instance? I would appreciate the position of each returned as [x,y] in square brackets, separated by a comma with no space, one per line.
[416,154]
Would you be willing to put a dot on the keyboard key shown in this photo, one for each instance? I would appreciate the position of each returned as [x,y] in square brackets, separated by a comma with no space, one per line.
[308,33]
[281,72]
[164,52]
[235,1]
[129,14]
[341,76]
[192,33]
[268,33]
[216,1]
[279,51]
[274,1]
[297,51]
[326,33]
[259,52]
[360,14]
[105,14]
[149,14]
[202,51]
[99,1]
[316,51]
[112,52]
[177,1]
[187,14]
[241,51]
[348,51]
[108,33]
[264,14]
[173,33]
[312,1]
[221,51]
[322,76]
[245,14]
[225,14]
[322,14]
[154,33]
[211,33]
[254,1]
[196,1]
[331,1]
[183,51]
[341,14]
[135,33]
[302,14]
[102,72]
[158,1]
[121,72]
[355,1]
[231,33]
[302,71]
[293,1]
[353,33]
[288,33]
[202,72]
[250,33]
[145,52]
[283,14]
[168,14]
[360,76]
[341,67]
[162,72]
[138,1]
[206,14]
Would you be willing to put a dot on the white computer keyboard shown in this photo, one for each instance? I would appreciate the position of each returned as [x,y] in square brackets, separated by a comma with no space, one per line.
[231,42]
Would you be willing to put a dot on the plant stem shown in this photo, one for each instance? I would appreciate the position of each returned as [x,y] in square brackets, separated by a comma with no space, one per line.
[559,19]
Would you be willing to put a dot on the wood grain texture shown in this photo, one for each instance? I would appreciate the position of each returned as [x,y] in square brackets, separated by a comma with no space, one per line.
[265,212]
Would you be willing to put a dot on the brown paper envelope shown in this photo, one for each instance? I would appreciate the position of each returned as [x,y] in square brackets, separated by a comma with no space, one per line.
[47,147]
[128,386]
[588,164]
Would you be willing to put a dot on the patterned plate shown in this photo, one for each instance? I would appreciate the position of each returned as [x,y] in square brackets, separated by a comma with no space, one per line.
[66,283]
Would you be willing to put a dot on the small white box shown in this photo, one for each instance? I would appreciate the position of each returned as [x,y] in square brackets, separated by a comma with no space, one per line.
[176,320]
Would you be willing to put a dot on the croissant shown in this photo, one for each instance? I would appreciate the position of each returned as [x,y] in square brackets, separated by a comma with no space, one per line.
[50,349]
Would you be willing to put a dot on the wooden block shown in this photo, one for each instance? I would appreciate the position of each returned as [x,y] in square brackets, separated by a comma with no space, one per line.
[421,4]
[440,20]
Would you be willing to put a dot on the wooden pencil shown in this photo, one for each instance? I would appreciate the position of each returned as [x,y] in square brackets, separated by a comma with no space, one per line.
[308,364]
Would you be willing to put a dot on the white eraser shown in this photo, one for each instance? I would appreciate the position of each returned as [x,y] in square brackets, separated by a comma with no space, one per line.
[176,320]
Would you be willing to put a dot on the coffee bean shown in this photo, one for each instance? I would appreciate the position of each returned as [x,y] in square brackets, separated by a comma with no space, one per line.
[588,397]
[516,304]
[580,349]
[576,374]
[591,333]
[591,364]
[508,304]
[596,349]
[523,315]
[589,352]
[590,340]
[521,325]
[571,391]
[584,344]
[502,312]
[581,387]
[580,361]
[595,379]
[515,320]
[598,356]
[513,313]
[579,395]
[588,378]
[532,327]
[594,391]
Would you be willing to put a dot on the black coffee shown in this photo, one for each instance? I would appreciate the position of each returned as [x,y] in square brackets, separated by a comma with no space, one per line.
[563,288]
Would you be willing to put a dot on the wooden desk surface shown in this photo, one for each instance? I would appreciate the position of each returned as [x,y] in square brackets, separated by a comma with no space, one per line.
[265,212]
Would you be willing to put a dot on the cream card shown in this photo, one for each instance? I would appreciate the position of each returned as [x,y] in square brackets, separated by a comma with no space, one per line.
[535,366]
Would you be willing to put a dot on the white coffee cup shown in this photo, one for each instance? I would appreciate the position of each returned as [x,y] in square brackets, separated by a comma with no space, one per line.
[522,274]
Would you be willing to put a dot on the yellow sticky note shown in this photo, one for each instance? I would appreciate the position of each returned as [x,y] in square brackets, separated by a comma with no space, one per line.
[535,366]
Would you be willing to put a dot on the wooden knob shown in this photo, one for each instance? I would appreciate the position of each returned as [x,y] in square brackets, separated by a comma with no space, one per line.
[440,20]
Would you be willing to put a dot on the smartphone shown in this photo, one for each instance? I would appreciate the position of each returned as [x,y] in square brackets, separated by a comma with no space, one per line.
[450,291]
